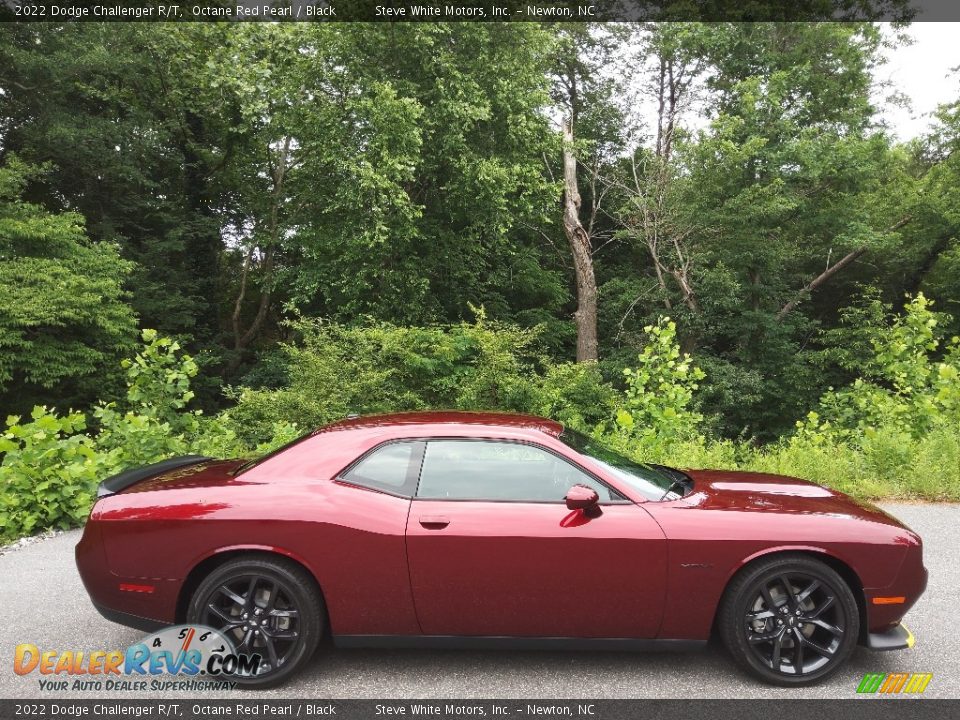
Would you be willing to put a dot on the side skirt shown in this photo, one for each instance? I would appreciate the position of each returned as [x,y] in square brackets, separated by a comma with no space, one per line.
[449,642]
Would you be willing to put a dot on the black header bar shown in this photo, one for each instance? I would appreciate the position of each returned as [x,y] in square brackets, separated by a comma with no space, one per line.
[477,10]
[247,704]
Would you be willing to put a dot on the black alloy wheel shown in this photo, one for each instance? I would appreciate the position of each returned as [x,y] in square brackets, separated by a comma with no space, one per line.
[266,607]
[790,620]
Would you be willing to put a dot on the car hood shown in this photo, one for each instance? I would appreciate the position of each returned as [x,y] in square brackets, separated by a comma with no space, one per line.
[736,490]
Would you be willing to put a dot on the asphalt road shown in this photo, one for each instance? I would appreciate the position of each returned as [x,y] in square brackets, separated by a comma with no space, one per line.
[42,601]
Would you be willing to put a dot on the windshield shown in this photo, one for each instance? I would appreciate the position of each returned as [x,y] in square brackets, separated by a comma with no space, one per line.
[650,482]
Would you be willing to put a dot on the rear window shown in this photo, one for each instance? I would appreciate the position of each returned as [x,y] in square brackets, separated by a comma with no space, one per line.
[391,468]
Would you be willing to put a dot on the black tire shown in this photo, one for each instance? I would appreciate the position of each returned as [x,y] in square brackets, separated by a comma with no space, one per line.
[258,594]
[790,638]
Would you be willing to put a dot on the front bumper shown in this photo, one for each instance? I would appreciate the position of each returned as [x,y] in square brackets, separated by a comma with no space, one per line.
[887,606]
[896,638]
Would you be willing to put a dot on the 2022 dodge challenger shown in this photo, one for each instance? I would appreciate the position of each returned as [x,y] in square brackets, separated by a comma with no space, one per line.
[453,529]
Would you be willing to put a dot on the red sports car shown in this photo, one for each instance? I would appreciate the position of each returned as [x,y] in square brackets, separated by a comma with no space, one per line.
[455,529]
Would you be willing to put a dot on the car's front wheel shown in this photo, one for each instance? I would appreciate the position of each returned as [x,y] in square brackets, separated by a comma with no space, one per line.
[790,620]
[265,606]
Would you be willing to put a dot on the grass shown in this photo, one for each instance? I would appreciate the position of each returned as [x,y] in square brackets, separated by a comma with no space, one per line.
[887,466]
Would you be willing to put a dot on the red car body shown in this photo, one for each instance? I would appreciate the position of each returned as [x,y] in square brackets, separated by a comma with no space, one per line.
[404,571]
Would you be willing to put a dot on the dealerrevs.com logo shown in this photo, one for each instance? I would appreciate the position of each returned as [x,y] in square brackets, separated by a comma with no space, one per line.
[894,683]
[200,657]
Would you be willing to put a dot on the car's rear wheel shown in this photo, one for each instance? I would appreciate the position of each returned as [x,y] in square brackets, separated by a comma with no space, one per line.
[267,607]
[789,620]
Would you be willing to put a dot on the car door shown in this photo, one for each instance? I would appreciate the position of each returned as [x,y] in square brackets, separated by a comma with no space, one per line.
[494,551]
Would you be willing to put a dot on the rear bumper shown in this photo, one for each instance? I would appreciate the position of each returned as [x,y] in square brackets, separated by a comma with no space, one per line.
[134,621]
[123,600]
[896,638]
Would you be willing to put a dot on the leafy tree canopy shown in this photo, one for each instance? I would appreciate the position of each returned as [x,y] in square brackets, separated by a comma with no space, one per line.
[64,319]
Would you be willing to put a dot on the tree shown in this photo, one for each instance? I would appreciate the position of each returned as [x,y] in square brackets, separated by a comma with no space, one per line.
[402,173]
[113,109]
[63,312]
[676,59]
[391,171]
[581,248]
[936,267]
[583,92]
[438,176]
[743,220]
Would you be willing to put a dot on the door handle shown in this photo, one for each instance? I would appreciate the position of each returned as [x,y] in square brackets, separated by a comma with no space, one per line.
[434,522]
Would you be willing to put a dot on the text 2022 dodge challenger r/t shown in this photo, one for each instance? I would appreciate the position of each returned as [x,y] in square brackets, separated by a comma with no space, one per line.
[454,529]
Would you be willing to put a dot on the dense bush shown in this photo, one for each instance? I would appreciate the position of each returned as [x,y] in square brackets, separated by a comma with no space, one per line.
[657,410]
[336,370]
[893,432]
[576,395]
[64,320]
[905,388]
[49,473]
[51,465]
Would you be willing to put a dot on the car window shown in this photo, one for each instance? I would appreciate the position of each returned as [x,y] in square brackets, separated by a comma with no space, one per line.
[387,468]
[654,482]
[486,470]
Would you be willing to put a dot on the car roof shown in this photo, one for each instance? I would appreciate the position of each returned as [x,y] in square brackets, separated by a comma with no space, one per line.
[450,417]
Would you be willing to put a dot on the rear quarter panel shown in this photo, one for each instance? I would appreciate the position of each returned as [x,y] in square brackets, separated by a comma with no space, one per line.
[350,539]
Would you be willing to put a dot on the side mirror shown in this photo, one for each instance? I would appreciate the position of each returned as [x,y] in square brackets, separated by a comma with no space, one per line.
[581,497]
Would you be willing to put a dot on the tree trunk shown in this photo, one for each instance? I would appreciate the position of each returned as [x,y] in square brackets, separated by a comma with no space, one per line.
[580,247]
[820,280]
[202,241]
[263,306]
[831,271]
[278,172]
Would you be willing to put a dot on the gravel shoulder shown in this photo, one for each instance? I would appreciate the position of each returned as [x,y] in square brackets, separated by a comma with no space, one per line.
[40,588]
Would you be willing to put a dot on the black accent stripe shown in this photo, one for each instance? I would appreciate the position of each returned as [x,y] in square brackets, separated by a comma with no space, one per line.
[123,480]
[512,643]
[134,621]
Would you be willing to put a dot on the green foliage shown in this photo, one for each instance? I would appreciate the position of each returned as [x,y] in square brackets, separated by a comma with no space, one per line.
[158,381]
[891,465]
[575,394]
[906,388]
[220,437]
[336,370]
[49,473]
[892,433]
[657,408]
[398,174]
[389,171]
[219,179]
[787,178]
[51,465]
[64,321]
[154,421]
